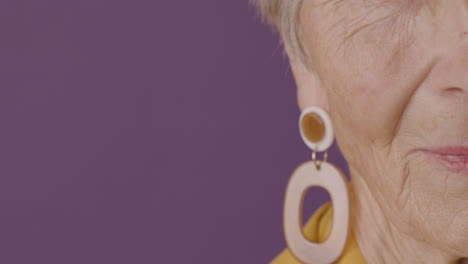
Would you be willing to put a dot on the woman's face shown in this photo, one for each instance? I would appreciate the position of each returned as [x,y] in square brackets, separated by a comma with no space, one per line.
[395,75]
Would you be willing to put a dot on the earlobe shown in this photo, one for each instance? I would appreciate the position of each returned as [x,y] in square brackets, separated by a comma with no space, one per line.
[310,89]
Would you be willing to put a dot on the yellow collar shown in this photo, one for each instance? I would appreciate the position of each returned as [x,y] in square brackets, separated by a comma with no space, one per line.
[317,230]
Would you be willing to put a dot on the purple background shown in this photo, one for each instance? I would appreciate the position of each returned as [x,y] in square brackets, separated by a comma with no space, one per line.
[144,132]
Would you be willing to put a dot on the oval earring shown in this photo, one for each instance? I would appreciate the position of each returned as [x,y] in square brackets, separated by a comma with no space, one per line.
[316,130]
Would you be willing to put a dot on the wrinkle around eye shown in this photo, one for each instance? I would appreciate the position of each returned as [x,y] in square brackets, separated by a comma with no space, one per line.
[364,23]
[355,31]
[385,25]
[390,27]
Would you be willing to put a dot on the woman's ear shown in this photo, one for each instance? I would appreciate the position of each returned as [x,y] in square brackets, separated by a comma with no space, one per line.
[310,89]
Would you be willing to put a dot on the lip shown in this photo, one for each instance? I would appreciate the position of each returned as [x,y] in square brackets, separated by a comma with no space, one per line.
[454,159]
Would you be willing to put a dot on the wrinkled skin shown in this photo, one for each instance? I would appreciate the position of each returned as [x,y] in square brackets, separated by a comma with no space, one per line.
[393,76]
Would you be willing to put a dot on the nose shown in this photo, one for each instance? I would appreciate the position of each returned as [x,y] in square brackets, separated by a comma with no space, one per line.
[452,71]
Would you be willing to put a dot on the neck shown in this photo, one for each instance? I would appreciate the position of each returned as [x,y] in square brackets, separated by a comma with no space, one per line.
[382,242]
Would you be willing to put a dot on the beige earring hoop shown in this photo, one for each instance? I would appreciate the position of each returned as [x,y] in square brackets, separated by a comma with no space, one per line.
[317,132]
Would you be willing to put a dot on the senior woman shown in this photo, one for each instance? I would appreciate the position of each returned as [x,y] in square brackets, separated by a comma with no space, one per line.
[388,79]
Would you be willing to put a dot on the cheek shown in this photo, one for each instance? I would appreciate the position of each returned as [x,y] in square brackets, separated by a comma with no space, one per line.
[370,84]
[371,81]
[370,62]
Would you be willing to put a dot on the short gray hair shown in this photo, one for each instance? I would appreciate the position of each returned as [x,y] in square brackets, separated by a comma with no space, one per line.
[283,15]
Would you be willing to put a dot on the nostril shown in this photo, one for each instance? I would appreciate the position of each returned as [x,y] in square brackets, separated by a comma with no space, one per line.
[453,91]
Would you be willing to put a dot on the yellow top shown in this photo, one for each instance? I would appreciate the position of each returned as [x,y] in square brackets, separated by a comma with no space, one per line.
[317,230]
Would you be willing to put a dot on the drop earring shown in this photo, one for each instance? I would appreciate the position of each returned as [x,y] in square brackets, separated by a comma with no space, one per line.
[316,130]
